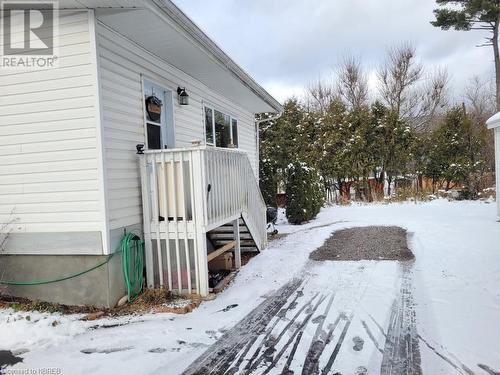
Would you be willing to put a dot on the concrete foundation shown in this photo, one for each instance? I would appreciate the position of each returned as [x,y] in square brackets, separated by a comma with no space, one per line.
[102,287]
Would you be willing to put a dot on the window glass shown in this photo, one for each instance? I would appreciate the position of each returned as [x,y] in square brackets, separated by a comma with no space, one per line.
[234,127]
[154,136]
[209,129]
[222,129]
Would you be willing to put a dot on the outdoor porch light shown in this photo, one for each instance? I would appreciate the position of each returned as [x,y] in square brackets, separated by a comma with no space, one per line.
[183,96]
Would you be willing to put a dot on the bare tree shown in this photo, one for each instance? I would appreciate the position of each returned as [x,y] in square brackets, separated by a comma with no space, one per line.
[479,99]
[352,83]
[319,95]
[432,97]
[398,77]
[480,104]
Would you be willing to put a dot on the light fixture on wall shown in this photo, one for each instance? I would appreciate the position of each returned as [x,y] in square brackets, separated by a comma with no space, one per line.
[182,96]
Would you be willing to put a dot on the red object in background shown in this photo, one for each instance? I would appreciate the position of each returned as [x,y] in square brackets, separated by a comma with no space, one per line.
[280,200]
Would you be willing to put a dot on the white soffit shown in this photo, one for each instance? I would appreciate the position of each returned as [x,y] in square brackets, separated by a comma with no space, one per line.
[493,121]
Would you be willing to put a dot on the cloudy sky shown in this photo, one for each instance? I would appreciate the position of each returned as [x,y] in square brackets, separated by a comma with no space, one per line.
[286,44]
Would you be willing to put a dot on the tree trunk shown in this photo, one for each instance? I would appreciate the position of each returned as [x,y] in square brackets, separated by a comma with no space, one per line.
[497,61]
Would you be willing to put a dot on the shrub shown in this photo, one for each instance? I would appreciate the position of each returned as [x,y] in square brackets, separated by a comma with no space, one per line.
[268,182]
[304,194]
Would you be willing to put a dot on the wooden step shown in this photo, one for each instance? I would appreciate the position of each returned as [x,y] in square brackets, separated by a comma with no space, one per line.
[245,243]
[228,236]
[227,230]
[224,235]
[221,250]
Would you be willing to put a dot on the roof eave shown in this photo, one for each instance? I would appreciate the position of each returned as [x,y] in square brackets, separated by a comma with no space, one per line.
[183,21]
[494,121]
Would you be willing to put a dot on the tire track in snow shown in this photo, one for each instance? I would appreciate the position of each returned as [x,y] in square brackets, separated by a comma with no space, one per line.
[378,325]
[254,361]
[488,369]
[286,368]
[401,351]
[219,357]
[328,339]
[316,348]
[280,316]
[295,333]
[371,336]
[336,350]
[467,370]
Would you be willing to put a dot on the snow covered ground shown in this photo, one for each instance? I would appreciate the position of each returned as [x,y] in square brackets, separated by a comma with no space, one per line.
[454,282]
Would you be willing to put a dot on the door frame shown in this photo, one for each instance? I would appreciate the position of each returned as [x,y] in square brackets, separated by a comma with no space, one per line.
[168,113]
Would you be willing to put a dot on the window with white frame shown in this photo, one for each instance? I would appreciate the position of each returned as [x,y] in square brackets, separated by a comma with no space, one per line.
[221,130]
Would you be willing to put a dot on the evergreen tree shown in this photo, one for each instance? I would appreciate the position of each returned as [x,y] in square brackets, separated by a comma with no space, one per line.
[280,144]
[473,15]
[333,155]
[395,138]
[454,150]
[304,195]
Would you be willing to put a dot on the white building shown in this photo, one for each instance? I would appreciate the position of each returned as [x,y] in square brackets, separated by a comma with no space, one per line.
[71,181]
[494,124]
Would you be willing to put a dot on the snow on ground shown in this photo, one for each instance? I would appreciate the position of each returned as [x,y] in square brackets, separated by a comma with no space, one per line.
[455,281]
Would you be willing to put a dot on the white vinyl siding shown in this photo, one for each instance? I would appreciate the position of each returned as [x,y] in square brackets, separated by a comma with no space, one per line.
[122,66]
[49,169]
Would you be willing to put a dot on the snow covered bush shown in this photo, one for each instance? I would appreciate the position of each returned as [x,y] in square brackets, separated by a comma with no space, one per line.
[304,195]
[268,181]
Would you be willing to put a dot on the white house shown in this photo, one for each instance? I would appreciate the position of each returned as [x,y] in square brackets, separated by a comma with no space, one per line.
[494,124]
[71,179]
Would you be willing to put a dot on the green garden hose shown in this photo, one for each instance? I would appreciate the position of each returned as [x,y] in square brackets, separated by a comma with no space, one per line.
[42,282]
[134,284]
[133,281]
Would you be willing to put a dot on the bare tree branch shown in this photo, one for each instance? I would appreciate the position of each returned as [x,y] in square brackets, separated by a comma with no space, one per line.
[352,83]
[397,77]
[319,95]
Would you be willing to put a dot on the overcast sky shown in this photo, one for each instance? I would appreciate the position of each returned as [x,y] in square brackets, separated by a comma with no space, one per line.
[286,44]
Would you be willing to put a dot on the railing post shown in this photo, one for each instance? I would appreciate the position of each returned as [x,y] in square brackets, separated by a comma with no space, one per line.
[146,214]
[156,216]
[237,247]
[200,212]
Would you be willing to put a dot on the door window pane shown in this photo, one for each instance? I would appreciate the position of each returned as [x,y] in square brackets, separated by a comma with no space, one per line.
[209,129]
[234,127]
[222,129]
[154,137]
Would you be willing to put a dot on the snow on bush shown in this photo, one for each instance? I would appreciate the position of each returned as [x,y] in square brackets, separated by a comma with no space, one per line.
[304,195]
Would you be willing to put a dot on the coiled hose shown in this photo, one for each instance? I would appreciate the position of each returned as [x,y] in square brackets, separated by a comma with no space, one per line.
[134,280]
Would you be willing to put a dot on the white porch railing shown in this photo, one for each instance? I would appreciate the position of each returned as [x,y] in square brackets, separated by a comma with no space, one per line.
[185,194]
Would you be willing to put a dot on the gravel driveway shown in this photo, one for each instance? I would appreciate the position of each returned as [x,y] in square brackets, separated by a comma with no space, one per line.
[365,243]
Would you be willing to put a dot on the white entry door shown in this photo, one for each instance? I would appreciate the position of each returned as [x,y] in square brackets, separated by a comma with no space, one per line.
[158,116]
